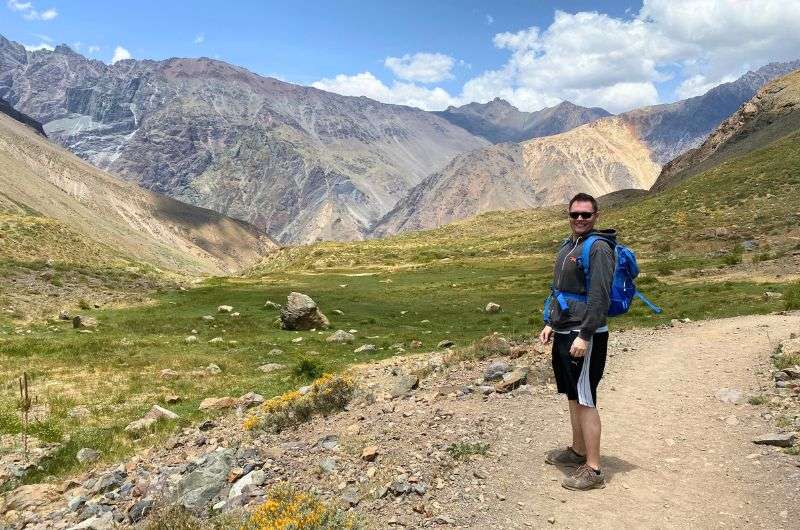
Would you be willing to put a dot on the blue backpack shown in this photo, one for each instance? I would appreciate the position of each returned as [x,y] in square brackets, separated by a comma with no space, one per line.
[623,290]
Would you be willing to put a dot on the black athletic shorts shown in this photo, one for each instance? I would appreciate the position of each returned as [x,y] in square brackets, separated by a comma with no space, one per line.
[578,377]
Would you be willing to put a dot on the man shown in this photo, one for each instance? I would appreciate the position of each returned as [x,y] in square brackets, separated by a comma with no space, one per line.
[577,325]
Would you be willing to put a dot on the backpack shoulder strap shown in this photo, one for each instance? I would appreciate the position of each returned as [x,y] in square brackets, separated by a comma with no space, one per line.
[587,248]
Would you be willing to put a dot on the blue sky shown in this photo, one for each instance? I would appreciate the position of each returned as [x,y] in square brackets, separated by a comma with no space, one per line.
[617,54]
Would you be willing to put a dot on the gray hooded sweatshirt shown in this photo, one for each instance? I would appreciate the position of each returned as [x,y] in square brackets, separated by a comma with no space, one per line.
[568,277]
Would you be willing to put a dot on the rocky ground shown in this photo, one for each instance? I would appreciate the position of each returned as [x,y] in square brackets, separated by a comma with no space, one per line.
[430,442]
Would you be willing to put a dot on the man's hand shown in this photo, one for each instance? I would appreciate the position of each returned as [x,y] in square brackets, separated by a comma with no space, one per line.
[579,347]
[546,335]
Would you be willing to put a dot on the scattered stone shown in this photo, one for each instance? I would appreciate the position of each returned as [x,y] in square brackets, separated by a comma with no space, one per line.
[109,482]
[301,313]
[494,345]
[792,373]
[496,371]
[773,295]
[275,352]
[224,309]
[330,442]
[80,412]
[341,337]
[512,380]
[140,426]
[140,510]
[235,314]
[370,453]
[446,344]
[551,520]
[365,348]
[491,307]
[749,245]
[172,398]
[168,373]
[190,339]
[64,315]
[328,465]
[271,367]
[212,369]
[338,312]
[159,413]
[776,439]
[416,344]
[87,455]
[254,478]
[403,384]
[351,496]
[83,322]
[729,395]
[269,304]
[297,339]
[195,490]
[251,399]
[208,318]
[218,403]
[101,521]
[206,426]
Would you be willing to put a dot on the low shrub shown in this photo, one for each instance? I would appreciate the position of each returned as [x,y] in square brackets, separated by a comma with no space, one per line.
[464,450]
[328,394]
[791,298]
[286,508]
[308,368]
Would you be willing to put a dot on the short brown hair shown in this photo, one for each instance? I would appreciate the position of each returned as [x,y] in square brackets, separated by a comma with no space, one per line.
[583,197]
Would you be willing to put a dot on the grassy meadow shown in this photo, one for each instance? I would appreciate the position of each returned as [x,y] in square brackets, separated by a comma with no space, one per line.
[426,286]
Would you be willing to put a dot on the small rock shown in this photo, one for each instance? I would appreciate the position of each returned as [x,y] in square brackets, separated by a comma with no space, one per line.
[168,373]
[776,439]
[551,520]
[329,442]
[729,395]
[341,337]
[254,478]
[416,344]
[64,315]
[218,403]
[365,348]
[301,313]
[190,339]
[87,455]
[512,380]
[351,496]
[208,318]
[216,340]
[235,314]
[83,322]
[140,510]
[269,304]
[491,307]
[251,399]
[140,426]
[158,413]
[446,344]
[212,369]
[224,309]
[338,312]
[172,399]
[275,352]
[496,371]
[403,385]
[271,367]
[370,453]
[328,465]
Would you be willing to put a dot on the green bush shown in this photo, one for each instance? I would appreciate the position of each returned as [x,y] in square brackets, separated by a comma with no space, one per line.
[308,368]
[791,298]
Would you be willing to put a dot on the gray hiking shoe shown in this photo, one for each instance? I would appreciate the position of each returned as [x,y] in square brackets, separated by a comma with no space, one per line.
[585,479]
[565,457]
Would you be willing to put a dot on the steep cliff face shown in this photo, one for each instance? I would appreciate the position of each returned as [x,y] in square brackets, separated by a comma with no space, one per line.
[499,121]
[771,114]
[42,179]
[301,163]
[11,112]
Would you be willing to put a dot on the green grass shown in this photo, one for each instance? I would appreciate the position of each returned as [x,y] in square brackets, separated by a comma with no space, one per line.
[464,450]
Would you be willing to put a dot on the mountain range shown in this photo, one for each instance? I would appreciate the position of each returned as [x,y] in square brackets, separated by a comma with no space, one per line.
[606,155]
[40,180]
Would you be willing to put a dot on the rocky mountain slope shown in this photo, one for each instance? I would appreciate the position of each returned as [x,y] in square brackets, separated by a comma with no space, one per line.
[11,112]
[771,114]
[499,121]
[299,162]
[38,179]
[600,157]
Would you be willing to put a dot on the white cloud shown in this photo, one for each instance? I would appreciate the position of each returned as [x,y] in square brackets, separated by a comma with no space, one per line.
[200,38]
[421,67]
[37,47]
[399,93]
[595,59]
[93,49]
[489,19]
[120,54]
[28,11]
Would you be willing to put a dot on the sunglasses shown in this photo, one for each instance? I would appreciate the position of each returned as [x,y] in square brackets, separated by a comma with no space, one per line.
[582,215]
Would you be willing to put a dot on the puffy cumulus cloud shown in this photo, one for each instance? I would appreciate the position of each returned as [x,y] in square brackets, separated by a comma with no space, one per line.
[594,59]
[399,93]
[421,67]
[120,54]
[29,12]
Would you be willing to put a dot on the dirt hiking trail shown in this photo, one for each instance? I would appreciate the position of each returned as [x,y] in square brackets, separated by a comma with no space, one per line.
[675,454]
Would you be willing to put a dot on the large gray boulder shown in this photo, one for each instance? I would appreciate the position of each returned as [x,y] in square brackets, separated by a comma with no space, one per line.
[200,486]
[301,312]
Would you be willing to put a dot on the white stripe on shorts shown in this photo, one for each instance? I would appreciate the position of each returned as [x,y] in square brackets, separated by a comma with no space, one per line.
[584,384]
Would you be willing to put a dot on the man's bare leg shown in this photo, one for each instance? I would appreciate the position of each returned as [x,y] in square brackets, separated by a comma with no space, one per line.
[578,444]
[589,420]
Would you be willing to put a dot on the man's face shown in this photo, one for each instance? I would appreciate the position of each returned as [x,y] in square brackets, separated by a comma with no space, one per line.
[577,213]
